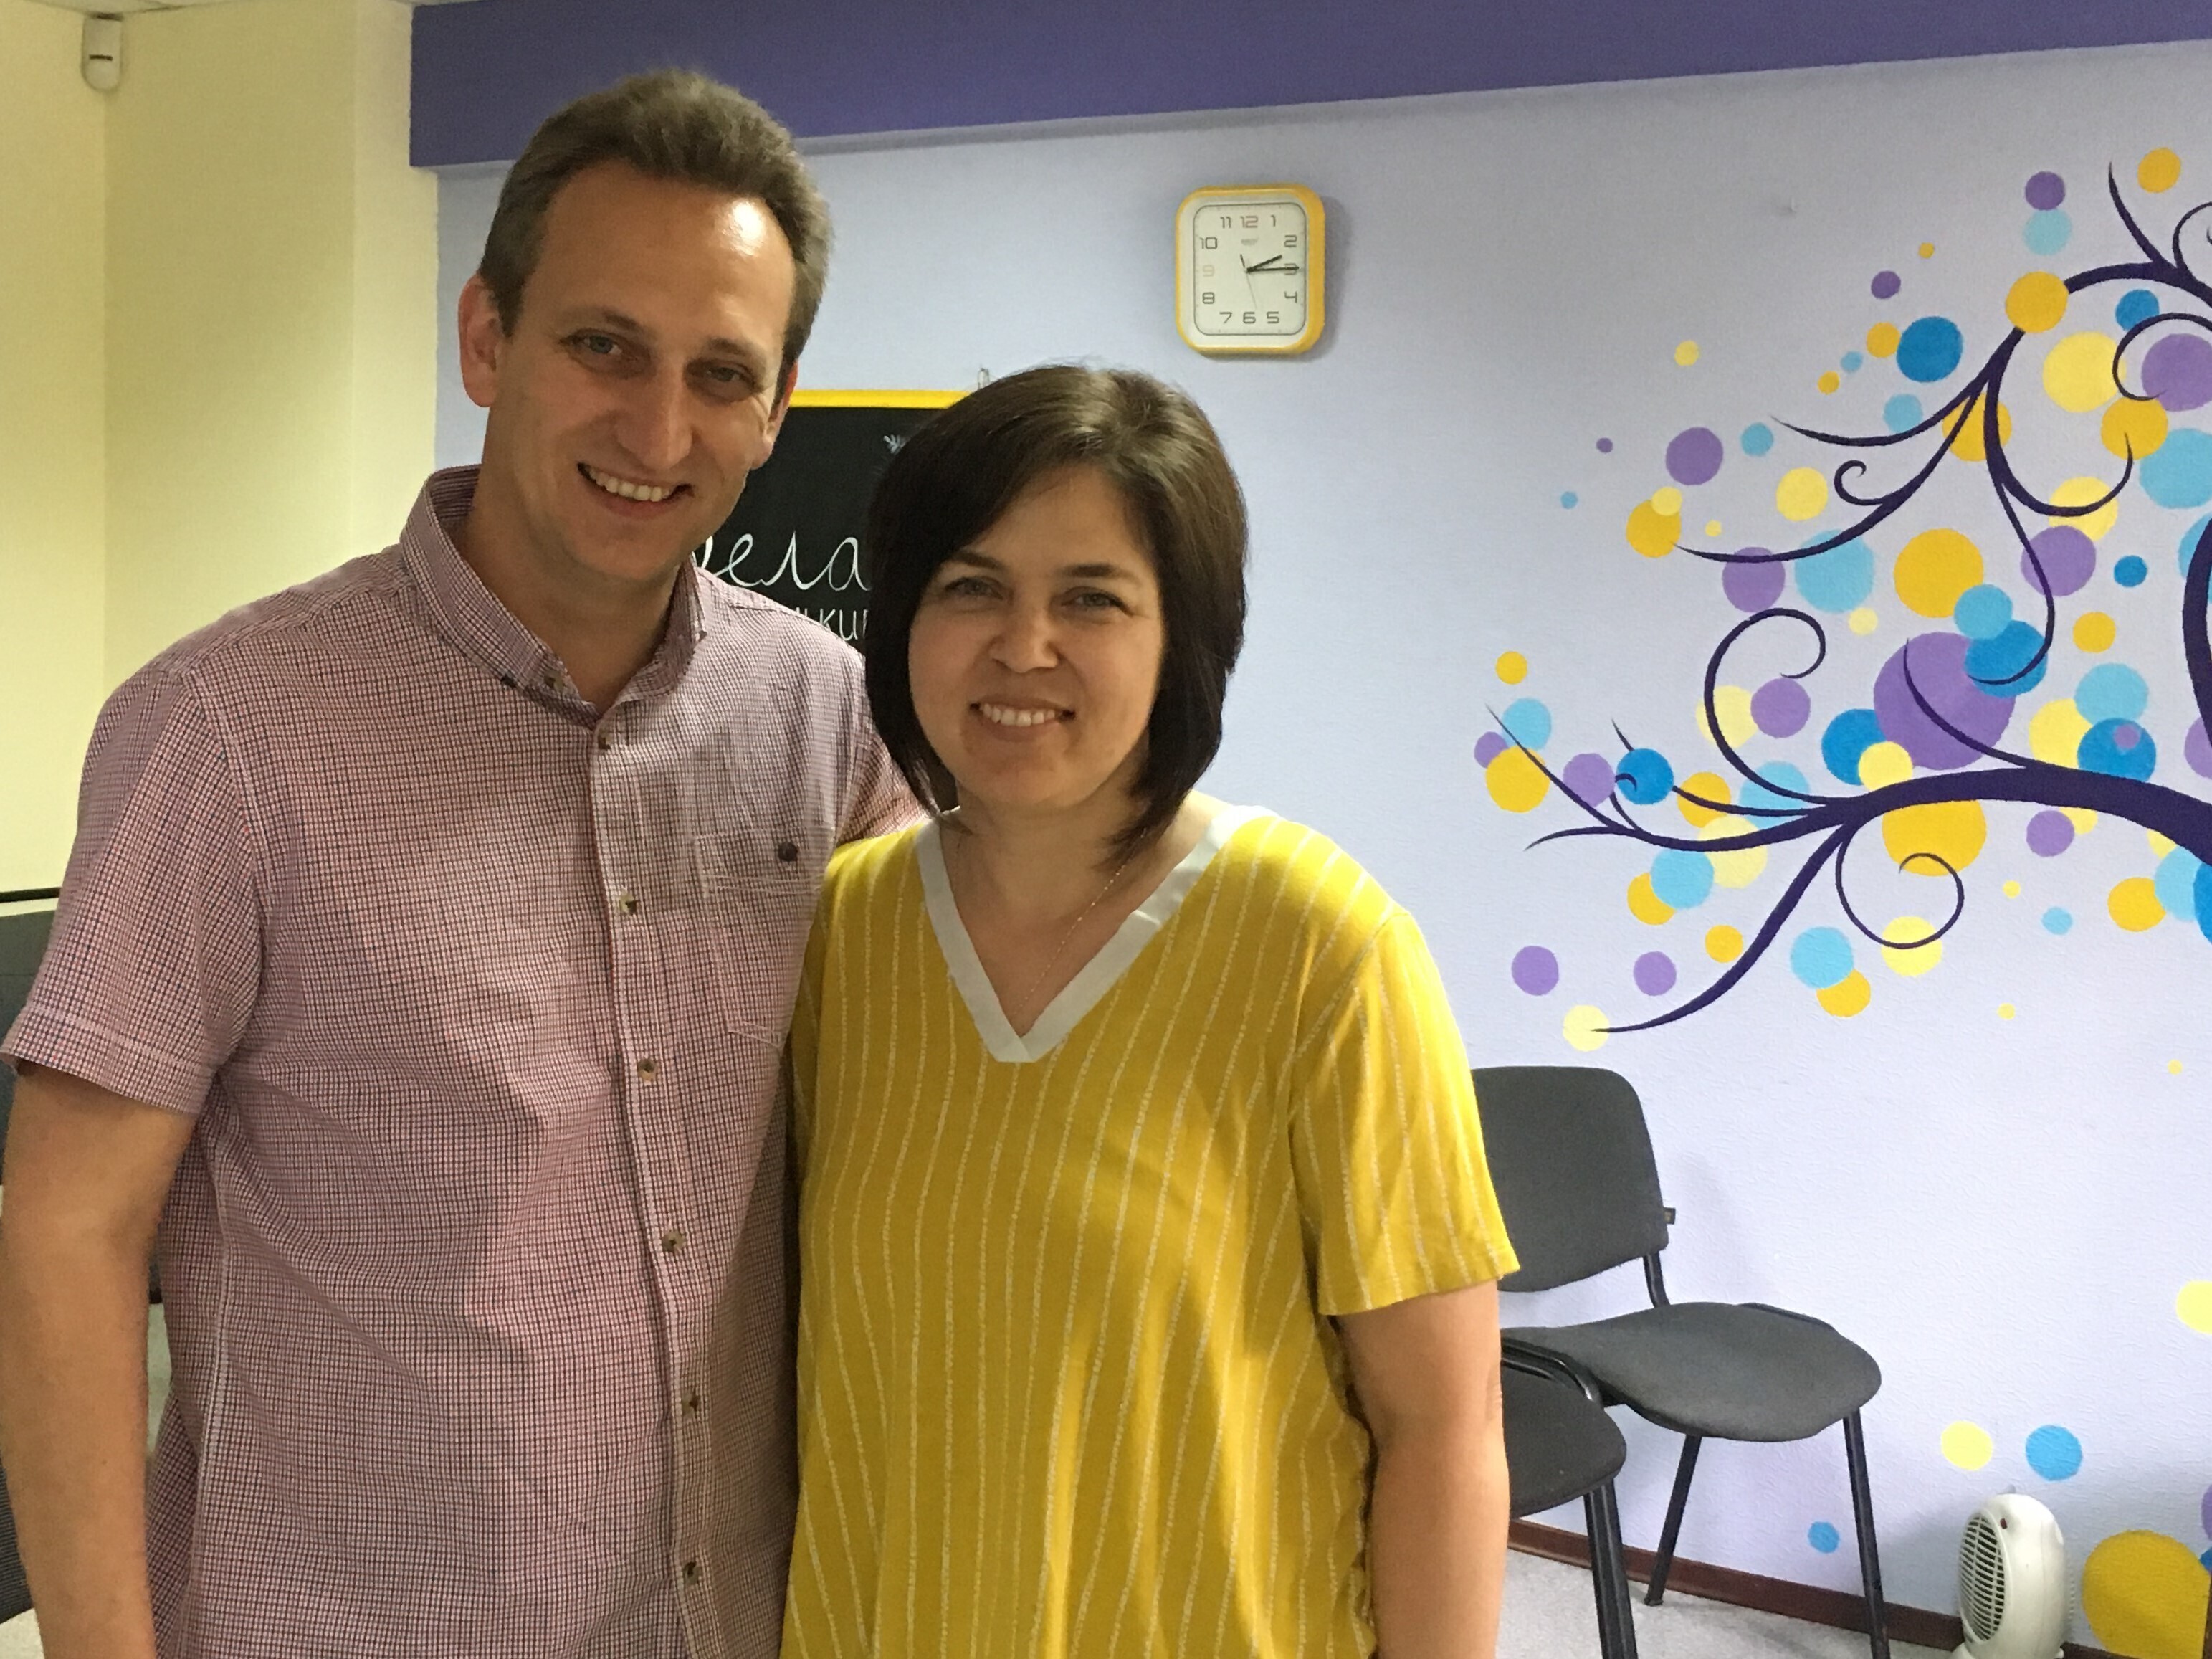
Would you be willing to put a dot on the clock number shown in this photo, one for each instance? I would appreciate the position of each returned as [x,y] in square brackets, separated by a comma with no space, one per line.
[1251,221]
[1206,270]
[1209,241]
[1291,240]
[1226,315]
[1250,318]
[1206,298]
[1275,317]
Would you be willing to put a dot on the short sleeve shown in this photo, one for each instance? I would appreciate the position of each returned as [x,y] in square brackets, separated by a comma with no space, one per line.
[877,800]
[152,971]
[1396,1196]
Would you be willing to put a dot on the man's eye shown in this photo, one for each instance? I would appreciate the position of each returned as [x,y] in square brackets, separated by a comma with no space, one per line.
[599,345]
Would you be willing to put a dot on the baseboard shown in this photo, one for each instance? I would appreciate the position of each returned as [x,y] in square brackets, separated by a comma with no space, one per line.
[1839,1608]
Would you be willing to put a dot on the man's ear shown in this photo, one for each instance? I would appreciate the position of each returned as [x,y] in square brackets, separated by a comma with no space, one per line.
[483,339]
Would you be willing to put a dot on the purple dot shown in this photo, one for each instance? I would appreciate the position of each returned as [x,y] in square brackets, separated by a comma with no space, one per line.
[1886,284]
[1589,778]
[1488,747]
[1694,455]
[2178,371]
[2044,191]
[1605,445]
[1753,587]
[2197,750]
[1780,707]
[2204,1511]
[1939,679]
[1655,973]
[2126,735]
[1535,970]
[2068,556]
[2050,834]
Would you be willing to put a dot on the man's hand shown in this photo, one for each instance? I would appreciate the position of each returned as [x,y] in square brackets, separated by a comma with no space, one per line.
[86,1173]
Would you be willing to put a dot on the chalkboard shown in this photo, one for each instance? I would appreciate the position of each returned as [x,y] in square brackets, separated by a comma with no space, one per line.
[795,533]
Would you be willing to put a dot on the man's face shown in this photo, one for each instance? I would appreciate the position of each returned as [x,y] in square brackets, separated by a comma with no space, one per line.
[643,381]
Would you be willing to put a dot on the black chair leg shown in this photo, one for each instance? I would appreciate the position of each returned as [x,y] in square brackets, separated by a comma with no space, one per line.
[1616,1623]
[1870,1554]
[1664,1561]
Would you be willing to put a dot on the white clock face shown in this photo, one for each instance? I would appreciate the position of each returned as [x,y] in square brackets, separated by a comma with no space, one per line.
[1249,264]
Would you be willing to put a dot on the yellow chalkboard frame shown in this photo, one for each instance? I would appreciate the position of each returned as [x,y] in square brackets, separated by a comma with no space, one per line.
[837,398]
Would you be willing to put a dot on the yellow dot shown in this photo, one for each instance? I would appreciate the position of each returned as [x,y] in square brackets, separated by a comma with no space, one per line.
[1687,353]
[2160,170]
[2078,372]
[2080,492]
[1847,996]
[1513,668]
[1667,503]
[1928,250]
[2037,302]
[1924,839]
[1584,1028]
[1883,764]
[2133,426]
[2159,846]
[2006,1011]
[2194,1304]
[2094,631]
[2144,1594]
[2055,732]
[1707,786]
[1829,381]
[1712,527]
[2174,1066]
[1863,621]
[1646,906]
[1651,532]
[2080,817]
[1912,949]
[1882,340]
[1723,943]
[1738,866]
[2012,889]
[1933,568]
[2134,904]
[1801,495]
[1971,444]
[1733,703]
[1967,1445]
[1517,783]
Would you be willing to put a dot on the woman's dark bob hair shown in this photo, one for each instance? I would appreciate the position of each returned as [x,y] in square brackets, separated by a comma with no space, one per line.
[955,476]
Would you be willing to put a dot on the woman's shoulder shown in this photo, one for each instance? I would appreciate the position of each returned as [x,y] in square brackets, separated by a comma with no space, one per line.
[1308,892]
[861,869]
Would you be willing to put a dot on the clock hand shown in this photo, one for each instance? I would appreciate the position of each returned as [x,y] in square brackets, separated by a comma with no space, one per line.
[1274,266]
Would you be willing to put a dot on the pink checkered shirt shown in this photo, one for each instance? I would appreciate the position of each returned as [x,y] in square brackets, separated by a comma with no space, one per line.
[474,1266]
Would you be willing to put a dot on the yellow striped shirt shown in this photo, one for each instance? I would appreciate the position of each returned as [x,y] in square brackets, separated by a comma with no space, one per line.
[1064,1388]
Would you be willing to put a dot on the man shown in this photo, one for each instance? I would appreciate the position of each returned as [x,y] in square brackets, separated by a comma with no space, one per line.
[423,969]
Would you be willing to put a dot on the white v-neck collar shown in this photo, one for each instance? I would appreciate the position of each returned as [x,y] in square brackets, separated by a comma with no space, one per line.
[1098,975]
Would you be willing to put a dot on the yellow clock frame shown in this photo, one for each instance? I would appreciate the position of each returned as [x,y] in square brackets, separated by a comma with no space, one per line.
[1317,239]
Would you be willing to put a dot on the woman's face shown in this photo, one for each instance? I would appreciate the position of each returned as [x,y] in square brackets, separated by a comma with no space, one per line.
[1034,656]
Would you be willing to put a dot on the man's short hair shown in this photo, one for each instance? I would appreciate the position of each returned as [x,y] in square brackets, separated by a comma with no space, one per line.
[671,124]
[961,471]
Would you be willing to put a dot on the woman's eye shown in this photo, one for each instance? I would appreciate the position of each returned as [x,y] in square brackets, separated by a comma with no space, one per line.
[965,587]
[1093,599]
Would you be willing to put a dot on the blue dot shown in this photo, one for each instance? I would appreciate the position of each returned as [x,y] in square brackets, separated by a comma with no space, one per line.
[1929,348]
[2138,304]
[1568,498]
[1757,795]
[2190,538]
[2048,231]
[2176,883]
[1820,958]
[1853,362]
[2054,1453]
[1683,879]
[1995,665]
[2056,921]
[1528,723]
[1983,612]
[2178,472]
[1838,580]
[1645,777]
[1823,1537]
[2130,572]
[1758,438]
[2112,691]
[2206,1558]
[2204,906]
[2118,749]
[1901,413]
[1848,738]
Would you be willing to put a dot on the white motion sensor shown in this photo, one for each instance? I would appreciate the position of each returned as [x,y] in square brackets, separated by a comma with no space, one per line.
[103,53]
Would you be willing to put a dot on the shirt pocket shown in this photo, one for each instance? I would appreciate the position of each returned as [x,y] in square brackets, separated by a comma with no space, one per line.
[756,893]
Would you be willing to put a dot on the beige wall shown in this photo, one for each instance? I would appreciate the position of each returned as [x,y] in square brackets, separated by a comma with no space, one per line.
[217,346]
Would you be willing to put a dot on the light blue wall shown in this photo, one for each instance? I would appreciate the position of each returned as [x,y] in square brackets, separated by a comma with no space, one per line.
[2002,1210]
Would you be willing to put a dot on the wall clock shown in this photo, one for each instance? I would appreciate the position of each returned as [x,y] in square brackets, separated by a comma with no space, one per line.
[1249,269]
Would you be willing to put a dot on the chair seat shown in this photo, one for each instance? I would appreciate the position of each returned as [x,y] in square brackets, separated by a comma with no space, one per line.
[1729,1371]
[1558,1444]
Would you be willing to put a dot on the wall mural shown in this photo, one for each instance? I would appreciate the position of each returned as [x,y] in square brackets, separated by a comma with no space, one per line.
[2016,702]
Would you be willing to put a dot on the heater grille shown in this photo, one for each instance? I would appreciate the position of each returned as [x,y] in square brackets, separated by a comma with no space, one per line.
[1981,1579]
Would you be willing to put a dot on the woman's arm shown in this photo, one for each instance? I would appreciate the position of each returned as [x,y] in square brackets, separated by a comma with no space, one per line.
[1427,1374]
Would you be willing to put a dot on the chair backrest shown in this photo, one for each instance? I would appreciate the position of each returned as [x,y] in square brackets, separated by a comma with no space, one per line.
[1572,1161]
[22,944]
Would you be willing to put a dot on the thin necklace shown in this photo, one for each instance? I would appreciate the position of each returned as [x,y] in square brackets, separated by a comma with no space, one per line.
[1113,878]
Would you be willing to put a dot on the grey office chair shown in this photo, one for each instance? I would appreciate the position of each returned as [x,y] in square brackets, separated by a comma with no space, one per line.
[1572,1162]
[1560,1446]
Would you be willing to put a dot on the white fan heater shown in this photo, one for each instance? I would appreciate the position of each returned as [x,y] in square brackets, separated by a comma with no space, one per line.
[2012,1582]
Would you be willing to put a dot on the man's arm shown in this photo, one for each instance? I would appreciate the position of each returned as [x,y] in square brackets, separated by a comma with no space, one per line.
[87,1174]
[1427,1377]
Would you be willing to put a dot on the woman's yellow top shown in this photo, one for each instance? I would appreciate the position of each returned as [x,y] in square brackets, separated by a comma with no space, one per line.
[1066,1387]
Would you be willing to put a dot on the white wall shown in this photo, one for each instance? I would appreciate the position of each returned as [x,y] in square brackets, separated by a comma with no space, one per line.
[2002,1210]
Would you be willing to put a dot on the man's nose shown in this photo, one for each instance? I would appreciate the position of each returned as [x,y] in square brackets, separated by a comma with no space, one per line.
[654,424]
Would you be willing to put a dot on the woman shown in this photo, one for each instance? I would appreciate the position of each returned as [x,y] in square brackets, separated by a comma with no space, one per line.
[1145,1239]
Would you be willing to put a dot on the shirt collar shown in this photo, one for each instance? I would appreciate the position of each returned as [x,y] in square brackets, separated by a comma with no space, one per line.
[472,616]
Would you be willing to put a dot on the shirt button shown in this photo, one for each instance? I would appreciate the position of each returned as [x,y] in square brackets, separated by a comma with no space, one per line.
[691,1402]
[691,1573]
[649,1069]
[628,902]
[786,851]
[672,1240]
[552,680]
[604,738]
